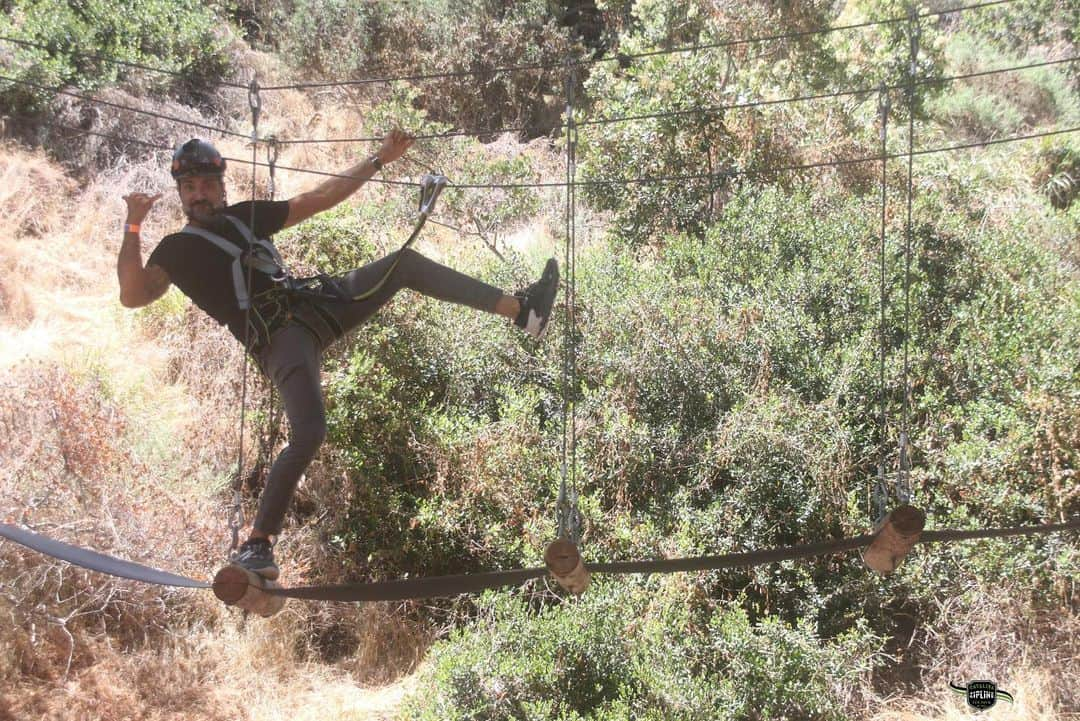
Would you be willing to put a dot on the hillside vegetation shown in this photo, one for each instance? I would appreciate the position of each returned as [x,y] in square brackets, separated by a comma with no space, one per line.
[732,306]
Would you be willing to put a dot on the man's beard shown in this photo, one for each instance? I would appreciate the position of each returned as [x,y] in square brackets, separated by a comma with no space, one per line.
[203,212]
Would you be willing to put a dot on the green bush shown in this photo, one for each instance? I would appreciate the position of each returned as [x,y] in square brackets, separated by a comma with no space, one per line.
[337,40]
[436,429]
[1027,22]
[977,115]
[727,400]
[339,239]
[711,146]
[329,38]
[635,652]
[472,41]
[182,36]
[489,209]
[882,53]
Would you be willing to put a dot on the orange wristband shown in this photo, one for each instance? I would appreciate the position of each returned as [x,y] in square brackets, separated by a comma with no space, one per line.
[132,228]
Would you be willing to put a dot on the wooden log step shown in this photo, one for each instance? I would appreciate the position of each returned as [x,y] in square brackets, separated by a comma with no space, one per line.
[237,586]
[894,538]
[564,561]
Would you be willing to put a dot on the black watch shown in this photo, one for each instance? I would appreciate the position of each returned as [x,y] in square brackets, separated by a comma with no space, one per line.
[376,163]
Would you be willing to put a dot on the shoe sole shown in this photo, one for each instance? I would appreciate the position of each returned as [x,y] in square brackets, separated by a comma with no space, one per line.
[551,277]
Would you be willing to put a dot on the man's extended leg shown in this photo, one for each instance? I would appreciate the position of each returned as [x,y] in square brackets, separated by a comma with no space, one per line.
[433,279]
[418,273]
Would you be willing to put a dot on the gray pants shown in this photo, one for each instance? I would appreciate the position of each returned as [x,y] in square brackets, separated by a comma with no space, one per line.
[292,359]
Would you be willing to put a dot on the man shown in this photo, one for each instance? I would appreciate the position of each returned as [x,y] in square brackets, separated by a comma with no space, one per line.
[286,331]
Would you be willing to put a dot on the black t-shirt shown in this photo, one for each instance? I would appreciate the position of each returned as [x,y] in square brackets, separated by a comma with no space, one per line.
[204,272]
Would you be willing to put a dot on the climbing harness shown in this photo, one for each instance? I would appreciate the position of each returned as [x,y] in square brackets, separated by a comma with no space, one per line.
[261,256]
[290,298]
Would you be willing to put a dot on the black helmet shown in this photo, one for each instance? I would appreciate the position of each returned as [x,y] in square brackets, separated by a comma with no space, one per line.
[197,157]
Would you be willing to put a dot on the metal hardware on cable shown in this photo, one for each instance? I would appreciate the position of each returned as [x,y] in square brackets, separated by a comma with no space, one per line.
[255,103]
[236,519]
[431,187]
[880,496]
[271,163]
[903,478]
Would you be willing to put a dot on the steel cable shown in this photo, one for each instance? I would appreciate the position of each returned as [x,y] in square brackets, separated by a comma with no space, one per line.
[552,65]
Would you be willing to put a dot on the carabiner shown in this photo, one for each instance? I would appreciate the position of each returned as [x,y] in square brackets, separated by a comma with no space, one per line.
[430,188]
[255,103]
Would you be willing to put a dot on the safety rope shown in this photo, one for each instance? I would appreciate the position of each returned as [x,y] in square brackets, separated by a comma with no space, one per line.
[694,111]
[621,58]
[903,476]
[472,132]
[115,61]
[269,437]
[567,511]
[624,58]
[644,180]
[880,492]
[704,111]
[236,517]
[271,163]
[769,170]
[60,90]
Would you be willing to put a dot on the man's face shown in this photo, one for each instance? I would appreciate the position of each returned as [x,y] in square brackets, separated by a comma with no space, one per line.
[202,196]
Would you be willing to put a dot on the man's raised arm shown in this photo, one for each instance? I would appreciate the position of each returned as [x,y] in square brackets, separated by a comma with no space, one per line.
[337,189]
[138,285]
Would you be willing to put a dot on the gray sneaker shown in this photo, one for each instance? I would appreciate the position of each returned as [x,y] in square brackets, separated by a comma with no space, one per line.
[257,556]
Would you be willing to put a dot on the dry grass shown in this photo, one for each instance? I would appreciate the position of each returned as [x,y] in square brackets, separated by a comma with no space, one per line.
[1032,687]
[232,669]
[32,197]
[1026,649]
